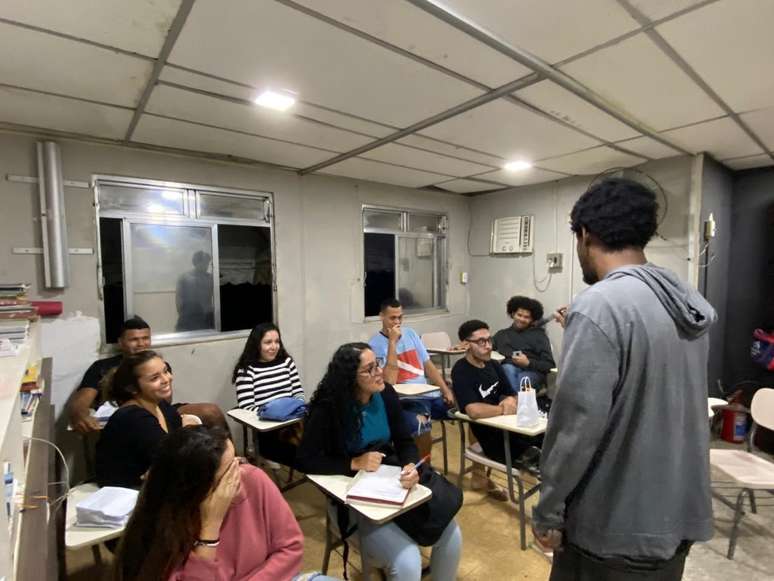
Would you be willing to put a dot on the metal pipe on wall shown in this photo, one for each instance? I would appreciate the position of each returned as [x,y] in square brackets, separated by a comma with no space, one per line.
[56,258]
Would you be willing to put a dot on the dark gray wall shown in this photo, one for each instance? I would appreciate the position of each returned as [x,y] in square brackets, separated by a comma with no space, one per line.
[750,260]
[716,199]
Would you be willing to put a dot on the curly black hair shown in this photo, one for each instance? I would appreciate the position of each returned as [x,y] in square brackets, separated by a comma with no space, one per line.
[469,327]
[337,389]
[535,307]
[621,213]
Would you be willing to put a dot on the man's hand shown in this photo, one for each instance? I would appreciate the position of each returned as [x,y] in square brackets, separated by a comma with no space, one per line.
[520,359]
[84,423]
[560,316]
[509,405]
[548,539]
[448,396]
[393,333]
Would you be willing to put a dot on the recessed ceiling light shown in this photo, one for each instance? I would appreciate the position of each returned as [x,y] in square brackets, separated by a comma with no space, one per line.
[517,165]
[277,100]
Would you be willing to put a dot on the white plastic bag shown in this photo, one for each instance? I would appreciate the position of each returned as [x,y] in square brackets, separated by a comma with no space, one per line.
[527,413]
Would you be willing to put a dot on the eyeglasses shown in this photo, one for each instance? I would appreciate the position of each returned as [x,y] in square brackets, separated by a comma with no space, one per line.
[483,342]
[372,370]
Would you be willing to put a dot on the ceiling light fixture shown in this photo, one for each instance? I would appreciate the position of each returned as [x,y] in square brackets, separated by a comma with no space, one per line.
[518,165]
[277,100]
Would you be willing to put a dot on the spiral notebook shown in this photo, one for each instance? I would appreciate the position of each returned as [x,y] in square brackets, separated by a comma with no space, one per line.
[379,487]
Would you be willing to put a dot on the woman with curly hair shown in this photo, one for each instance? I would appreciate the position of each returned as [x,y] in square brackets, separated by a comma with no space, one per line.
[355,422]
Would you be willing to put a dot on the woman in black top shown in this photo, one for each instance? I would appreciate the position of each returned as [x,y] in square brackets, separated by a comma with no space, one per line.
[141,386]
[354,422]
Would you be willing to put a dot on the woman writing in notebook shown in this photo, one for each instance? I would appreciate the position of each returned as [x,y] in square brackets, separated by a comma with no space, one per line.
[354,423]
[265,373]
[203,515]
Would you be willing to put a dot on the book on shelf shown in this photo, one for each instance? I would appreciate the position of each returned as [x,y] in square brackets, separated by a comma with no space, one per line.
[379,487]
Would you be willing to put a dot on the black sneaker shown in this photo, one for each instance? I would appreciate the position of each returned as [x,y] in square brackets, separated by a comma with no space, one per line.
[530,461]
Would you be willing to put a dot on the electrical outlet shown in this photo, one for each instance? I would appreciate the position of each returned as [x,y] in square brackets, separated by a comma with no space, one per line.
[554,260]
[464,277]
[710,227]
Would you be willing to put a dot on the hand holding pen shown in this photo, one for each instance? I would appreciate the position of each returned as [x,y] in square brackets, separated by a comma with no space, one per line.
[409,475]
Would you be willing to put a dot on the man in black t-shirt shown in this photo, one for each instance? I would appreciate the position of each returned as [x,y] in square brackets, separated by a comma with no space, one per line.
[135,336]
[482,390]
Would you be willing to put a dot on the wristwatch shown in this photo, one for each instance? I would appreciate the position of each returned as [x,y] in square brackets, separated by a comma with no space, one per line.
[211,543]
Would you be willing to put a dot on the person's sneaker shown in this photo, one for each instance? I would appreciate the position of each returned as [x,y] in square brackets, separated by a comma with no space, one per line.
[482,483]
[530,461]
[271,464]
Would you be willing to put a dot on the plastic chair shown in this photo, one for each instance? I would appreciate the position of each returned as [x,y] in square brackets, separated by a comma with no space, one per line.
[749,471]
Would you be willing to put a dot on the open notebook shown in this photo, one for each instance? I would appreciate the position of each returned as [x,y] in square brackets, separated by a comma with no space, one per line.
[380,487]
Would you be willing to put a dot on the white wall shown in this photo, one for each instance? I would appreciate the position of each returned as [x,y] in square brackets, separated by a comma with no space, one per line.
[318,252]
[496,278]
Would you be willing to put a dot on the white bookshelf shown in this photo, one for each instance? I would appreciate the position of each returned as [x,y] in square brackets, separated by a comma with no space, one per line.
[12,371]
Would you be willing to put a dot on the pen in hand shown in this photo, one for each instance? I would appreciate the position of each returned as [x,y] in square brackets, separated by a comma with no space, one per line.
[417,465]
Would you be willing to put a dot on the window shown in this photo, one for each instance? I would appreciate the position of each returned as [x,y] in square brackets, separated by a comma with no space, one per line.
[192,261]
[404,256]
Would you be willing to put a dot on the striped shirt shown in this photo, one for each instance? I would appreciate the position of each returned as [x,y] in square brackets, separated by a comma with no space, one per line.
[257,386]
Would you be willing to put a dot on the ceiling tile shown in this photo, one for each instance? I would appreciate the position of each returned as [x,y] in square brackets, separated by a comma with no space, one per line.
[468,186]
[648,147]
[522,178]
[722,138]
[414,30]
[139,26]
[551,29]
[560,103]
[420,141]
[731,45]
[49,112]
[433,162]
[749,162]
[364,169]
[202,82]
[170,133]
[657,9]
[637,76]
[320,63]
[249,118]
[40,61]
[509,131]
[762,123]
[591,162]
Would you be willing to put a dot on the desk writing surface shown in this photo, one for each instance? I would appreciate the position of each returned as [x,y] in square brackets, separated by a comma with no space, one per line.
[77,537]
[409,389]
[251,420]
[507,423]
[337,485]
[449,351]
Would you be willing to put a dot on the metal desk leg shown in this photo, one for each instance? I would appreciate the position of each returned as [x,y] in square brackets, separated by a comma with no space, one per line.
[462,455]
[520,501]
[245,449]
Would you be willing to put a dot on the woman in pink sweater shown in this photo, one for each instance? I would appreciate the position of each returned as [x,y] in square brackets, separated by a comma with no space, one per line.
[203,516]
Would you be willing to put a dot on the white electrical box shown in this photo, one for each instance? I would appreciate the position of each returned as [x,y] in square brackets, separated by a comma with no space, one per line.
[512,235]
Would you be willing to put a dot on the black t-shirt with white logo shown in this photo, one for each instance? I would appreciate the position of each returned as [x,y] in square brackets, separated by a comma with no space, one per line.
[486,384]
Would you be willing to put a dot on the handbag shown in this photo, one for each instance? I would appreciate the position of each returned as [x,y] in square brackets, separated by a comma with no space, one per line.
[527,413]
[425,523]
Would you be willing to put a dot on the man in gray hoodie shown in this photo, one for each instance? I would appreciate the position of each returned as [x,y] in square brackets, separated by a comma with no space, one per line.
[625,466]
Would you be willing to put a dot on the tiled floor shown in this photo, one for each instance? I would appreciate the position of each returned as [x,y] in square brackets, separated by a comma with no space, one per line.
[490,540]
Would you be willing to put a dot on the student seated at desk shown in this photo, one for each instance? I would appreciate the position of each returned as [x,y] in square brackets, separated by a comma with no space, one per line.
[483,391]
[526,348]
[141,386]
[135,336]
[203,515]
[355,422]
[264,373]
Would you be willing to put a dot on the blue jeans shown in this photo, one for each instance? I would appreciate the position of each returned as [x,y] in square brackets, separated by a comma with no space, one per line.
[433,406]
[388,547]
[515,373]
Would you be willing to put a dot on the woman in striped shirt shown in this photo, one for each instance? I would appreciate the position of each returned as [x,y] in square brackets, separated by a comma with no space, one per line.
[266,372]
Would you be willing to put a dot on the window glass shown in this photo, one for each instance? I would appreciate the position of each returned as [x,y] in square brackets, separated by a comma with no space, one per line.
[215,206]
[382,219]
[423,223]
[143,200]
[171,277]
[416,264]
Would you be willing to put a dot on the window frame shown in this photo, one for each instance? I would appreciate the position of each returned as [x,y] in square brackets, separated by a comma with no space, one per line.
[191,217]
[440,279]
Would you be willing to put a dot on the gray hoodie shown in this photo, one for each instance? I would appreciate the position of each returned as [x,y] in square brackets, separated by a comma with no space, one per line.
[625,460]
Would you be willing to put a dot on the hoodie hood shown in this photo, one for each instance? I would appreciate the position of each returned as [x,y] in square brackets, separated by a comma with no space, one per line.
[690,311]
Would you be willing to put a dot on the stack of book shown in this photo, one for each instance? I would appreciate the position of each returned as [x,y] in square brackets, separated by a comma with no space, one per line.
[31,390]
[14,304]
